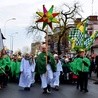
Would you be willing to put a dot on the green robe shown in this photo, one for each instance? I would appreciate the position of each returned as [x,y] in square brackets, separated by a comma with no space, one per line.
[7,61]
[87,61]
[2,66]
[17,71]
[13,68]
[78,65]
[73,66]
[41,63]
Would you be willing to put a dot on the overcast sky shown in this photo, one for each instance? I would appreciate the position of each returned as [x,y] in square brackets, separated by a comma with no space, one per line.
[24,10]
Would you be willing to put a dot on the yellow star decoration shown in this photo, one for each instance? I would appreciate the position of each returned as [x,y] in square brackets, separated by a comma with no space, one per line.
[47,17]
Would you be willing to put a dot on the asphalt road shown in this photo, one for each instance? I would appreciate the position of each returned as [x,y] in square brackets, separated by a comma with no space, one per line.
[66,91]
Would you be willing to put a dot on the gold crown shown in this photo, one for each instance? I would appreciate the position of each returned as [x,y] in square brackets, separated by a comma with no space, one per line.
[81,50]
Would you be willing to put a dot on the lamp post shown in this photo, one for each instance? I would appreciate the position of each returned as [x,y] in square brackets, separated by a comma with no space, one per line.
[12,40]
[6,23]
[5,28]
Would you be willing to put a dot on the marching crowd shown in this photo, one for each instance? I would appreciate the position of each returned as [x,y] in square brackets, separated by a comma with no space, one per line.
[9,68]
[49,67]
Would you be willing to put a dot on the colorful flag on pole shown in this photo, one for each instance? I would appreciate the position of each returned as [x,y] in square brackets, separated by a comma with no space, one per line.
[76,37]
[82,26]
[81,40]
[90,40]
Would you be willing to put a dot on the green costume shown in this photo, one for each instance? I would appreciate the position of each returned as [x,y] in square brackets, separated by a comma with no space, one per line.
[41,62]
[2,66]
[17,68]
[80,64]
[87,64]
[13,68]
[7,62]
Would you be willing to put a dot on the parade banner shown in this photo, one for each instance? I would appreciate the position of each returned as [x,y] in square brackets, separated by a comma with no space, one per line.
[79,37]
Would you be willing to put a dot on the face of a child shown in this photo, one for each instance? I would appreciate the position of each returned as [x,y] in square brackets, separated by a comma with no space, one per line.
[82,53]
[27,55]
[15,57]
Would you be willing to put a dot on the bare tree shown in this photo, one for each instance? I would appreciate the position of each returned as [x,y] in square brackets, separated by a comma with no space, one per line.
[64,18]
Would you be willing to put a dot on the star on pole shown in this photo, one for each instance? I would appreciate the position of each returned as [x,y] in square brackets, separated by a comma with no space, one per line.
[47,17]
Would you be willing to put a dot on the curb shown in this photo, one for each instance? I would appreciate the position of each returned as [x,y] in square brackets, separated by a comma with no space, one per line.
[93,79]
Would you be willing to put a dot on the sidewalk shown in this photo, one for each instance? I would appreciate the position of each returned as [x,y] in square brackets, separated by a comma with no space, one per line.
[93,77]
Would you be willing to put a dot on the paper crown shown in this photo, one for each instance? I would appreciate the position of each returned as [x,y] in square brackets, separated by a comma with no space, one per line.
[55,55]
[81,50]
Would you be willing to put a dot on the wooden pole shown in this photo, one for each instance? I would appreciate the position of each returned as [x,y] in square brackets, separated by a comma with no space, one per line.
[92,6]
[47,45]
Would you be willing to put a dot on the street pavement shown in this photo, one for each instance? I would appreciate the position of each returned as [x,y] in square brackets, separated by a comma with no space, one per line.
[66,91]
[94,77]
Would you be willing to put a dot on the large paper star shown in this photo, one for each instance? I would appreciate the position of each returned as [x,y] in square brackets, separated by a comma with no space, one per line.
[47,17]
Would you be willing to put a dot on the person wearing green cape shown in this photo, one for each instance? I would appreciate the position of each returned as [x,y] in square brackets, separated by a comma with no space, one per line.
[45,64]
[80,66]
[18,63]
[13,68]
[56,75]
[7,60]
[2,71]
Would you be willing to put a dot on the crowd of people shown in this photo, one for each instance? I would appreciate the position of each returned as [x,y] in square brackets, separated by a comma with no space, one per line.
[48,68]
[9,68]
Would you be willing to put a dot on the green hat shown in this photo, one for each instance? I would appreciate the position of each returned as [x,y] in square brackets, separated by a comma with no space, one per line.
[80,50]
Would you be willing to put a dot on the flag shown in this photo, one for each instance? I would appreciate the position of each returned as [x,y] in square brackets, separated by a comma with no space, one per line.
[73,43]
[76,38]
[82,26]
[90,40]
[1,41]
[79,37]
[94,35]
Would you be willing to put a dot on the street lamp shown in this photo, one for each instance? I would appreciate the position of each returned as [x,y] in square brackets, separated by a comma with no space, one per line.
[5,28]
[6,23]
[11,40]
